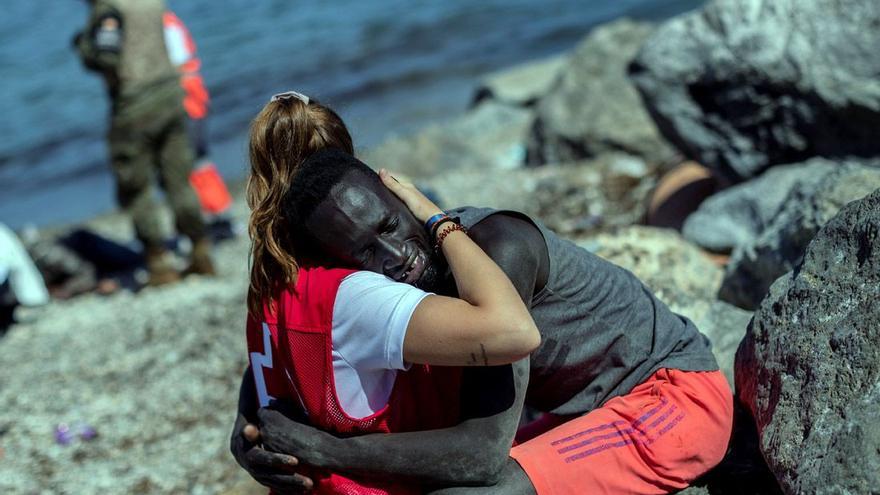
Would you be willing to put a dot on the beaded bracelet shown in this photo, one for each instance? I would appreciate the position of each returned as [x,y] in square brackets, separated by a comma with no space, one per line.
[439,223]
[442,236]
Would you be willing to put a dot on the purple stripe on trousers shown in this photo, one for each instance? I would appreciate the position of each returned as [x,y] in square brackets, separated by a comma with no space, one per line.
[636,423]
[601,448]
[587,432]
[670,425]
[619,433]
[647,415]
[596,450]
[662,417]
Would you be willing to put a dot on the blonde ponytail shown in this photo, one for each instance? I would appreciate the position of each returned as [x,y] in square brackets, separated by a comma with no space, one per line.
[282,136]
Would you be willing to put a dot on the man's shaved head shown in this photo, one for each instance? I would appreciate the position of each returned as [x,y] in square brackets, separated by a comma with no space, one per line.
[341,214]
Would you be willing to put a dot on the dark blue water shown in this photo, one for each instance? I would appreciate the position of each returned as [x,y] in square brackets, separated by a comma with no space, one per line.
[387,66]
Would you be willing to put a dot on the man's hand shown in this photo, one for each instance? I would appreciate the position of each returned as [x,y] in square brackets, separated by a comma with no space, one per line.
[280,433]
[276,471]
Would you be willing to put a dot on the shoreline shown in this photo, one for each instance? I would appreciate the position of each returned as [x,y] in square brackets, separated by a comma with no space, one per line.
[230,156]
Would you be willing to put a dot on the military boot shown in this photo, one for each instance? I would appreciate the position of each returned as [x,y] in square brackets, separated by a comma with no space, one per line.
[200,260]
[160,266]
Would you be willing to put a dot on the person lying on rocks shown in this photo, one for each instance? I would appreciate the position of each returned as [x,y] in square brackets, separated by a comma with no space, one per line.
[632,396]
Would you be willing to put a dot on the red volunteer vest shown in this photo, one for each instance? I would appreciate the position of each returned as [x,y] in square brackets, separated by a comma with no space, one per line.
[291,358]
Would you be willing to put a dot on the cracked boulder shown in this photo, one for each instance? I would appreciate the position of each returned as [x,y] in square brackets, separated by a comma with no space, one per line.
[736,216]
[808,369]
[742,85]
[592,107]
[780,245]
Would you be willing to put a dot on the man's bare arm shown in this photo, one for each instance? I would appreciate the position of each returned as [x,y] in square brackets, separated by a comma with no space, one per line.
[473,452]
[276,471]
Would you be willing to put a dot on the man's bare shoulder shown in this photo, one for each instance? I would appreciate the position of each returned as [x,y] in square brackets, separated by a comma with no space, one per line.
[507,231]
[516,244]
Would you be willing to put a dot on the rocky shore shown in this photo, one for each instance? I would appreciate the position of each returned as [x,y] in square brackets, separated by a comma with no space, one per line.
[777,260]
[155,373]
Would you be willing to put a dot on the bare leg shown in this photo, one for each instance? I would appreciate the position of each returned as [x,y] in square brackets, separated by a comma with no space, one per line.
[513,482]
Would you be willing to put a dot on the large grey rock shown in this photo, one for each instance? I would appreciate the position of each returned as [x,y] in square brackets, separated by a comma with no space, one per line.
[745,84]
[593,108]
[490,136]
[522,85]
[680,275]
[809,367]
[780,246]
[737,215]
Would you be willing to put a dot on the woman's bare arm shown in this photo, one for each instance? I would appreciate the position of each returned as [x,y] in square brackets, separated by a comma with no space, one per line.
[487,324]
[473,452]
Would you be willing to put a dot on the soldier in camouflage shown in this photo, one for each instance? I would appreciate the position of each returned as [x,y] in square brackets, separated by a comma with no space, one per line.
[124,42]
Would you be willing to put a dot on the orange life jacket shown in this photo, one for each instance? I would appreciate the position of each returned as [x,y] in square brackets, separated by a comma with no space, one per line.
[182,52]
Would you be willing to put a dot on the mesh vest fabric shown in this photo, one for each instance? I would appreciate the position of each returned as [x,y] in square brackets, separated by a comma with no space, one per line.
[425,397]
[602,331]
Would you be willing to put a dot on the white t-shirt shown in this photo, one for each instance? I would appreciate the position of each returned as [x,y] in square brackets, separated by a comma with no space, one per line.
[370,317]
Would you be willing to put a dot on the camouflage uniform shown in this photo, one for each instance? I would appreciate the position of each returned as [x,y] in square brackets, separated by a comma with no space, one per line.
[124,42]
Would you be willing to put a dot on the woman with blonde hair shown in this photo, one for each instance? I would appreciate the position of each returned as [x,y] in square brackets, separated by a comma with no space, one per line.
[633,398]
[362,350]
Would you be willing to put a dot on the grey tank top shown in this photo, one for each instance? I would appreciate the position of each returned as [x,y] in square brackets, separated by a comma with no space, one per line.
[603,332]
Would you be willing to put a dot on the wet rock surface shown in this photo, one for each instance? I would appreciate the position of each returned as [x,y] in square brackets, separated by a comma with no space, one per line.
[741,85]
[781,244]
[809,368]
[593,108]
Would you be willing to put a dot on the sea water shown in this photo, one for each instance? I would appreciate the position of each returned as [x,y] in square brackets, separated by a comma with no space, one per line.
[388,66]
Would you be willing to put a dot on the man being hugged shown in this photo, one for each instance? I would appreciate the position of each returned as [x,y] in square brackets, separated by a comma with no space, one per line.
[634,400]
[353,348]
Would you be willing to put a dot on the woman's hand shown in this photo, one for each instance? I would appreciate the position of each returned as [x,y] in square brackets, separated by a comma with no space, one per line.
[420,206]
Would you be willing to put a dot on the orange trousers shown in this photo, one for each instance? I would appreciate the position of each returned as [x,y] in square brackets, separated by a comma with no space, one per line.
[656,439]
